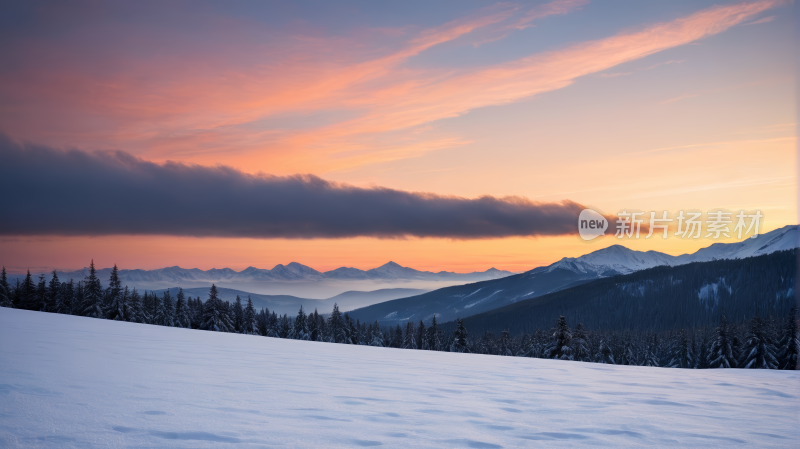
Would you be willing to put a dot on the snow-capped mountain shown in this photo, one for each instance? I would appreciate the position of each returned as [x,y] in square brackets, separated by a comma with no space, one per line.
[617,259]
[470,299]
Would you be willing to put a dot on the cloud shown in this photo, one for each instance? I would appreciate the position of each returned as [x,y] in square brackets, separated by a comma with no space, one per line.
[196,103]
[764,20]
[106,193]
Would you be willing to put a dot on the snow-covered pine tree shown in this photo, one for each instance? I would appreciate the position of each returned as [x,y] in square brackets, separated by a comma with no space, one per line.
[350,331]
[272,325]
[628,353]
[651,353]
[336,328]
[559,345]
[702,359]
[114,288]
[758,351]
[284,326]
[181,310]
[504,346]
[161,313]
[118,306]
[460,343]
[789,346]
[605,355]
[409,337]
[721,350]
[580,345]
[422,336]
[682,356]
[434,336]
[249,318]
[376,336]
[65,300]
[262,321]
[5,290]
[301,326]
[134,311]
[42,295]
[92,294]
[54,293]
[26,294]
[79,300]
[313,325]
[147,308]
[215,316]
[238,315]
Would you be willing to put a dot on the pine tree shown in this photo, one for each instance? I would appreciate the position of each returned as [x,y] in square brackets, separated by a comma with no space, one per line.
[273,326]
[409,337]
[215,316]
[422,336]
[5,290]
[54,290]
[459,338]
[42,295]
[789,346]
[238,315]
[79,300]
[681,353]
[504,348]
[580,345]
[284,326]
[147,308]
[134,313]
[300,331]
[559,346]
[118,306]
[376,336]
[164,310]
[651,356]
[92,295]
[114,291]
[66,299]
[605,355]
[262,322]
[336,327]
[249,318]
[181,310]
[758,352]
[434,337]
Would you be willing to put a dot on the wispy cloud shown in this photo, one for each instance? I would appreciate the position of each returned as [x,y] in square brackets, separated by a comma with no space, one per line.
[378,108]
[764,20]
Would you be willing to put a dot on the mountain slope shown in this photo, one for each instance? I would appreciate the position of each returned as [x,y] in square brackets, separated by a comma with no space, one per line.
[470,299]
[688,296]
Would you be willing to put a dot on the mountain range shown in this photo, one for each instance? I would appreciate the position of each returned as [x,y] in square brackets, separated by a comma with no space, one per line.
[292,272]
[450,303]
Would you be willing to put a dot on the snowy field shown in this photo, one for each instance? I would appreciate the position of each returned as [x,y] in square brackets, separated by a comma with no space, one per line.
[80,382]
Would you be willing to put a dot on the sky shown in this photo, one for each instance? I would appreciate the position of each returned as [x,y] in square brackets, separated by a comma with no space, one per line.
[457,136]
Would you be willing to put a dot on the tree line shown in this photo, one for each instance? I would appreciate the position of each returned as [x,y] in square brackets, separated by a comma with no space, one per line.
[754,343]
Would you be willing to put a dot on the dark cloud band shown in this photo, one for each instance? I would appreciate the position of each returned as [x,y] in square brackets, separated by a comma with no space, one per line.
[80,193]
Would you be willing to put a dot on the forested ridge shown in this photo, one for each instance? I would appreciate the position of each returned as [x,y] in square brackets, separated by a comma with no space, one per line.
[720,314]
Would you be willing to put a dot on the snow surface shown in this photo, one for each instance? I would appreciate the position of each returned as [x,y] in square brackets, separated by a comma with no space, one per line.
[80,382]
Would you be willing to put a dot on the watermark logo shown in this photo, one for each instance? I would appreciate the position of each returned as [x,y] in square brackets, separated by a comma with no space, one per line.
[685,224]
[591,224]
